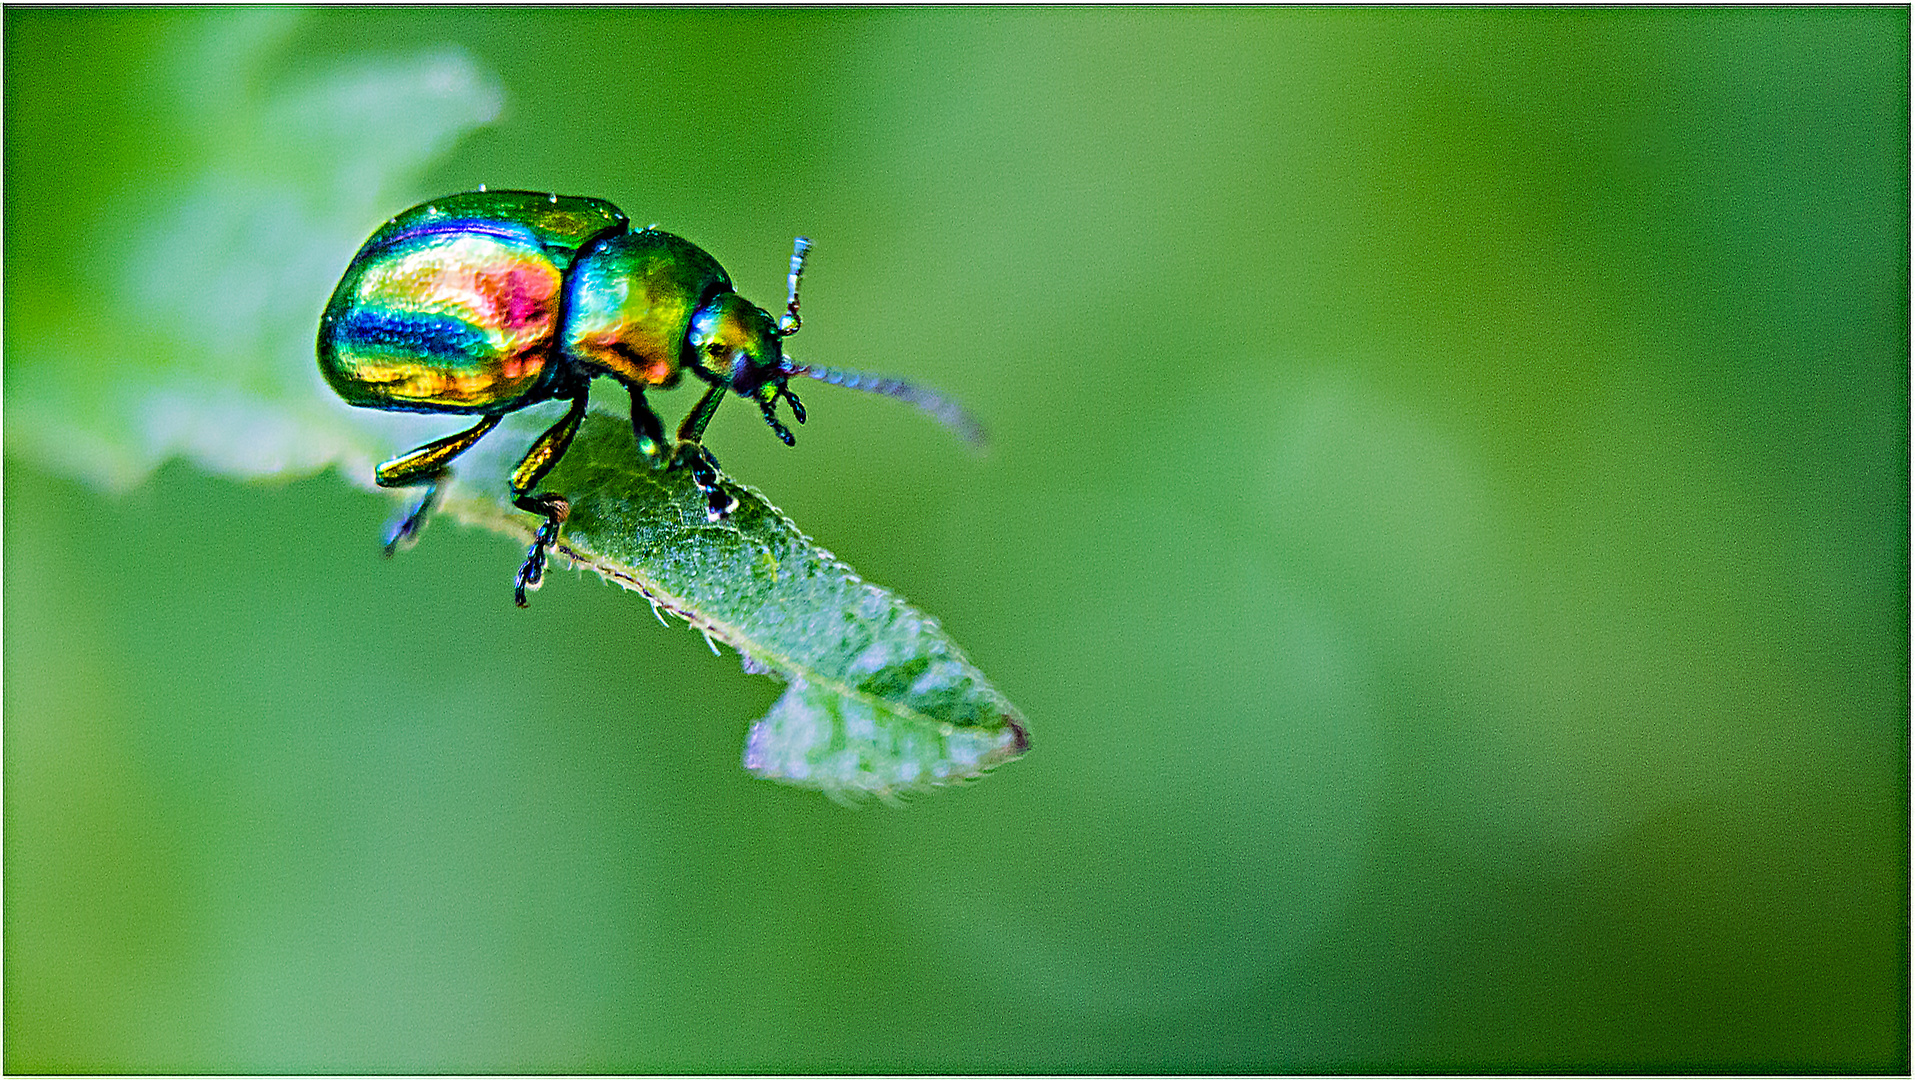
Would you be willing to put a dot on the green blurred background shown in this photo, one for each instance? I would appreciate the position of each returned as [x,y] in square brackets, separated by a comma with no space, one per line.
[1446,523]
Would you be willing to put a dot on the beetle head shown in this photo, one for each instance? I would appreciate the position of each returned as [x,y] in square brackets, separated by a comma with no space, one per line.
[740,346]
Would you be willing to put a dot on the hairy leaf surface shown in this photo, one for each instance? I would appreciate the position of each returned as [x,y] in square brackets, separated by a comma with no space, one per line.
[879,701]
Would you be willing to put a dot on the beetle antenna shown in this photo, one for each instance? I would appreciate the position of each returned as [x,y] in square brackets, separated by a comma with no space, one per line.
[789,324]
[948,412]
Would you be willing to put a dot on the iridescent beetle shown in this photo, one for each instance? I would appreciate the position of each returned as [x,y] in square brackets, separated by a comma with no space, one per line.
[489,301]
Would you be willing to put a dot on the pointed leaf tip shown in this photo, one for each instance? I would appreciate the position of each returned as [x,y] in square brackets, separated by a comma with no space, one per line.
[879,699]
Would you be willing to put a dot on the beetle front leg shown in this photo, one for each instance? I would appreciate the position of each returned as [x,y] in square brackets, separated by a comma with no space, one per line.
[691,453]
[719,503]
[554,508]
[427,466]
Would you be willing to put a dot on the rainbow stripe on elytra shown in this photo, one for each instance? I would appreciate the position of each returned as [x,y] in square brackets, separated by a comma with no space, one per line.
[453,306]
[450,321]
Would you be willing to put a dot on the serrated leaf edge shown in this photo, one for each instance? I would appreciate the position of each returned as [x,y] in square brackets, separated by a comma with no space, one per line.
[476,509]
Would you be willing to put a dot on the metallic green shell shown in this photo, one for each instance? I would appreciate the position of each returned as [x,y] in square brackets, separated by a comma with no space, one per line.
[454,306]
[563,223]
[629,301]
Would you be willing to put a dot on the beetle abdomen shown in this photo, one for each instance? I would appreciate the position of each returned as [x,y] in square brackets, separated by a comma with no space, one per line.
[439,318]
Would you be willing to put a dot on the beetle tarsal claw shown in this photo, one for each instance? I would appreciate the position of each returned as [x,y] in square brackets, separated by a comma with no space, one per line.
[719,503]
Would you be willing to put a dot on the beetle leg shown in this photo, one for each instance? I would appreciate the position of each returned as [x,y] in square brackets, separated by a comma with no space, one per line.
[719,503]
[649,430]
[532,573]
[404,532]
[428,463]
[691,453]
[554,508]
[550,446]
[694,426]
[425,466]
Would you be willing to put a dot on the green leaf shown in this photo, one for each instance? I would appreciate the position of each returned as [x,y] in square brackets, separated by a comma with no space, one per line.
[880,699]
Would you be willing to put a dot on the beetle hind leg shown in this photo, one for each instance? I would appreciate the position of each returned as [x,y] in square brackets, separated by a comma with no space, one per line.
[425,467]
[404,530]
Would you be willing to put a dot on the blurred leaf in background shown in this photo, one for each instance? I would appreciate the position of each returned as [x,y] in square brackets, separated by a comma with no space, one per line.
[176,283]
[1447,515]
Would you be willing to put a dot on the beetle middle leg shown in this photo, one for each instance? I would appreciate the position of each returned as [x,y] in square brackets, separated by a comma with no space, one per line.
[426,467]
[691,453]
[554,508]
[649,430]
